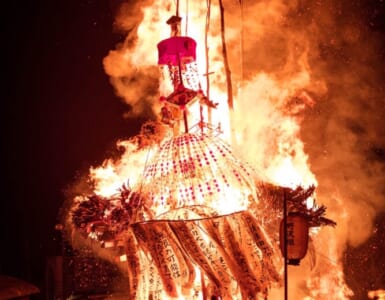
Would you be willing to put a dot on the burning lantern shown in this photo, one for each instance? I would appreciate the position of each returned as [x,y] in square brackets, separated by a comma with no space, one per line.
[176,56]
[187,228]
[297,237]
[180,78]
[176,59]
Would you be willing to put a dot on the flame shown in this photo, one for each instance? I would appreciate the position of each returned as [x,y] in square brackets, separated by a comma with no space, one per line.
[265,126]
[332,281]
[110,176]
[261,111]
[379,294]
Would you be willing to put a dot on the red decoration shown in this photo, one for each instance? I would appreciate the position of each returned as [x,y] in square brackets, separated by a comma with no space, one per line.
[175,50]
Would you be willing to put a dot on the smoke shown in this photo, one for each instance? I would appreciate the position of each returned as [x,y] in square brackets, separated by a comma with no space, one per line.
[342,136]
[133,74]
[309,77]
[349,121]
[310,88]
[326,50]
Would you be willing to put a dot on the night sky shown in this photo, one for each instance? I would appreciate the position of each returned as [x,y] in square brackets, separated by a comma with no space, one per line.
[59,116]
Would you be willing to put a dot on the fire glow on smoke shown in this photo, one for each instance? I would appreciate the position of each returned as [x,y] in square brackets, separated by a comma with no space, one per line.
[279,75]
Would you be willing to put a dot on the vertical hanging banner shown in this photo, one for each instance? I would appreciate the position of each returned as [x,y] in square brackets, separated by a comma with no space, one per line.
[158,240]
[224,230]
[231,252]
[207,254]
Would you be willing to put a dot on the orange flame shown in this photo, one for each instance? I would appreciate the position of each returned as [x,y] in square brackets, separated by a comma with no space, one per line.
[264,126]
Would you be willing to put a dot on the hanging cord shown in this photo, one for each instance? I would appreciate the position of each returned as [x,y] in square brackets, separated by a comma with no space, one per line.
[241,50]
[208,2]
[207,29]
[177,8]
[144,209]
[186,18]
[225,59]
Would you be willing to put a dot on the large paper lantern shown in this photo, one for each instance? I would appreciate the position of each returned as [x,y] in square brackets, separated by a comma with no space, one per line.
[297,237]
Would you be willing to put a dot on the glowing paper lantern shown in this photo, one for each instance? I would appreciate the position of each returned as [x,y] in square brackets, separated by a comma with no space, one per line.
[297,237]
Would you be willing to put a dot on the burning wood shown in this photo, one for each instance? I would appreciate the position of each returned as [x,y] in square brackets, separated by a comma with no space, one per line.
[195,238]
[296,198]
[197,222]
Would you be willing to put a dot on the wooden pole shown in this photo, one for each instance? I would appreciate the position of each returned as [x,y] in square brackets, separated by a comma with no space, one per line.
[285,244]
[225,59]
[208,15]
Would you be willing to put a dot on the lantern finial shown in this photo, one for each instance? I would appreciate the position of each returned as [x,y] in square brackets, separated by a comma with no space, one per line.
[174,23]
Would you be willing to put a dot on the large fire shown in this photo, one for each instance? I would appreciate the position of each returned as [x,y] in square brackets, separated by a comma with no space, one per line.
[187,194]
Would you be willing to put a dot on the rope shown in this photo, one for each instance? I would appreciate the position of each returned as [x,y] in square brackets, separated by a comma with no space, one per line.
[186,17]
[207,28]
[208,13]
[225,58]
[241,50]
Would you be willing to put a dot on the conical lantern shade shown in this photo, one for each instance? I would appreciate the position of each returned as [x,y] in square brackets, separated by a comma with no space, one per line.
[197,169]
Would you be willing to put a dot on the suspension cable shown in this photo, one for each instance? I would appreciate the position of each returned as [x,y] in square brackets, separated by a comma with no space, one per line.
[208,12]
[241,50]
[225,58]
[186,18]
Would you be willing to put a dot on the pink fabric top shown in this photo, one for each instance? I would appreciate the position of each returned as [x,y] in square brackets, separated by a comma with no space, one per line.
[175,49]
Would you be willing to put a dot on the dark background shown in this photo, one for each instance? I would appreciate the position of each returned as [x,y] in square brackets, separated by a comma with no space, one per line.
[60,115]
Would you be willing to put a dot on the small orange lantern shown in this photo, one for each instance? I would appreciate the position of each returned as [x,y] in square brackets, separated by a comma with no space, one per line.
[297,237]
